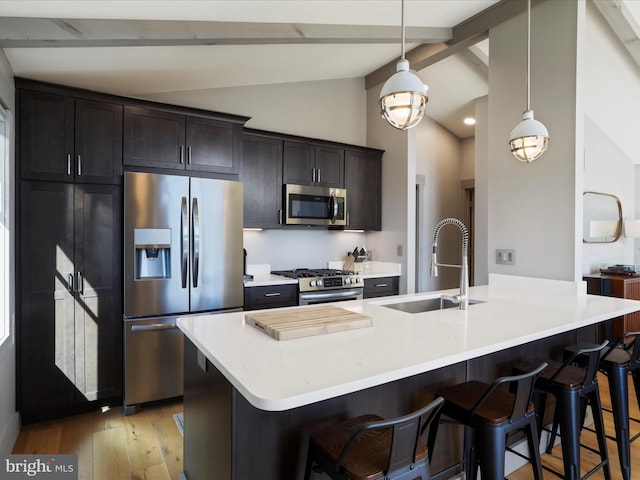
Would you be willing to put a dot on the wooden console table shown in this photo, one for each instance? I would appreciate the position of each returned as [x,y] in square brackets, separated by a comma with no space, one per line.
[621,286]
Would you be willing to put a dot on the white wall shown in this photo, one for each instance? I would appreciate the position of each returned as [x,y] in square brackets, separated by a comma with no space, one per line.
[467,158]
[533,208]
[9,420]
[481,197]
[608,170]
[330,109]
[439,160]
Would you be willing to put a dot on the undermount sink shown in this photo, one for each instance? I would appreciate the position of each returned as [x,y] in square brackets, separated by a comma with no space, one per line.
[421,305]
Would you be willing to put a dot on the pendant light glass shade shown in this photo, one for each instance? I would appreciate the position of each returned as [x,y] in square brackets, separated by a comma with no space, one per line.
[529,138]
[403,98]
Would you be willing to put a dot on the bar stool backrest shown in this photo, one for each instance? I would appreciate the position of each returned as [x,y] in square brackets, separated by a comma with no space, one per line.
[407,431]
[588,358]
[522,388]
[630,342]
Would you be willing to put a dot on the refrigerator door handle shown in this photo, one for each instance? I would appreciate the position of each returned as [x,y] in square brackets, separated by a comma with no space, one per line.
[184,241]
[195,238]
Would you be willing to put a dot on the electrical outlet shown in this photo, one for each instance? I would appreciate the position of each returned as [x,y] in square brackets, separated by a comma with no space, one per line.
[505,257]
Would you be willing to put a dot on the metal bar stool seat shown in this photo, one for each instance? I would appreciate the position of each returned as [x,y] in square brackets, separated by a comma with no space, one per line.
[618,362]
[369,447]
[573,387]
[489,414]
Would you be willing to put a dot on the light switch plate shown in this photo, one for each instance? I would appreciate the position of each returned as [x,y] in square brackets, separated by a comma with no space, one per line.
[505,257]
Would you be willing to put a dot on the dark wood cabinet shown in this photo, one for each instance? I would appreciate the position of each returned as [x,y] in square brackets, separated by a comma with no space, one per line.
[175,141]
[363,182]
[380,287]
[261,175]
[65,139]
[70,328]
[309,164]
[620,286]
[271,296]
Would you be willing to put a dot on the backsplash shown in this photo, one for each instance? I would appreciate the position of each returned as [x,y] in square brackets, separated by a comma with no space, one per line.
[298,247]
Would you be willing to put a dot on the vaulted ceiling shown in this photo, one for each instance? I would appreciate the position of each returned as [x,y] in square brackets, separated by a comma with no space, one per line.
[140,47]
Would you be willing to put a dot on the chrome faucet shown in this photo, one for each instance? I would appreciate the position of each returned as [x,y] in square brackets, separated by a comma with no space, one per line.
[463,298]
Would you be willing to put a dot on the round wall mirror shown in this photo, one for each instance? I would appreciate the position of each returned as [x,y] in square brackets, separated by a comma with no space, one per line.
[602,218]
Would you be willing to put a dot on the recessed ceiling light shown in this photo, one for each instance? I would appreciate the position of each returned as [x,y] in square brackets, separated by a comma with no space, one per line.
[469,121]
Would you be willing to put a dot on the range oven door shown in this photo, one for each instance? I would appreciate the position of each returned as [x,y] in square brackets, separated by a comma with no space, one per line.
[312,298]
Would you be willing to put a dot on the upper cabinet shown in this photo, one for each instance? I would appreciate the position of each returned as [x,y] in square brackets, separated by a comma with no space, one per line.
[261,174]
[363,182]
[62,138]
[174,141]
[309,164]
[271,160]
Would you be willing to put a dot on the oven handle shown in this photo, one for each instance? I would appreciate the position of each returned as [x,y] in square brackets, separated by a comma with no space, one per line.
[334,295]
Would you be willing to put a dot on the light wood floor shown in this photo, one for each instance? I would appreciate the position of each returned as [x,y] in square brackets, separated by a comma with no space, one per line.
[589,459]
[148,445]
[110,446]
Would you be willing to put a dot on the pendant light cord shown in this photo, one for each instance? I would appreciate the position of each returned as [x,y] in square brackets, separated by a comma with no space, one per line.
[402,24]
[528,54]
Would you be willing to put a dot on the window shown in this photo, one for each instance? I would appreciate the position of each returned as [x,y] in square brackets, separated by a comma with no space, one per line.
[5,229]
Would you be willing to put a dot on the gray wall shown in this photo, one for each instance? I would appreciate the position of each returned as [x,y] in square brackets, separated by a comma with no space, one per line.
[533,208]
[9,421]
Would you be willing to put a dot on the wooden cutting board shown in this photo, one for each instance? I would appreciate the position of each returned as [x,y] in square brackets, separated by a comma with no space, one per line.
[307,321]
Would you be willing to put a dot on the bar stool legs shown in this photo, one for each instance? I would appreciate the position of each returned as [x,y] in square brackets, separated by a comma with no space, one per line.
[620,409]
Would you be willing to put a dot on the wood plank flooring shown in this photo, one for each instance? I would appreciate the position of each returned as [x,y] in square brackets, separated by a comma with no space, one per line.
[110,446]
[587,458]
[148,445]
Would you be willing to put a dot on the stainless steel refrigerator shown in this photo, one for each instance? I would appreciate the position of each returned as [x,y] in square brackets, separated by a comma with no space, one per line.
[182,255]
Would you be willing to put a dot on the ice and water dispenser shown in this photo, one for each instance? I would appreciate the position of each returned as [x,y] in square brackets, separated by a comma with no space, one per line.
[153,253]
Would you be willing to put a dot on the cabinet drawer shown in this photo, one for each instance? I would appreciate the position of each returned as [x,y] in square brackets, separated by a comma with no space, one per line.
[380,287]
[271,296]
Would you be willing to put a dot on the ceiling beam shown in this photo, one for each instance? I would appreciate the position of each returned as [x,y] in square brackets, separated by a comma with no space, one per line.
[47,32]
[465,34]
[623,24]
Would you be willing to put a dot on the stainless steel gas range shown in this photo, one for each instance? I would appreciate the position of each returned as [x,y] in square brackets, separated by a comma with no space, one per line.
[325,285]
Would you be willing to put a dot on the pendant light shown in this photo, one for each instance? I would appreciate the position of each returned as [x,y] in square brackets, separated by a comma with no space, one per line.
[403,97]
[529,138]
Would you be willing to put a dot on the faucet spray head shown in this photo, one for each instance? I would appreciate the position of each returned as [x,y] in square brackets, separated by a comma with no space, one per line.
[434,262]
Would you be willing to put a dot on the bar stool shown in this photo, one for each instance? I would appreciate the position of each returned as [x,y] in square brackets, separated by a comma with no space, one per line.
[617,362]
[573,387]
[369,447]
[489,414]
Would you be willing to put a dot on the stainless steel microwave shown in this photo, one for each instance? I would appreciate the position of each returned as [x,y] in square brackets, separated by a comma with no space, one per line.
[307,205]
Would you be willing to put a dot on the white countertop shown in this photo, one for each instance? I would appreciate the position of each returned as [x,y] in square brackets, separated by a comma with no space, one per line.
[279,375]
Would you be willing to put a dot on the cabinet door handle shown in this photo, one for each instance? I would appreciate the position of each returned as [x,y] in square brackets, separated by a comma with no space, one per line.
[279,217]
[79,166]
[68,164]
[313,174]
[348,219]
[181,154]
[381,285]
[189,155]
[318,175]
[273,294]
[79,283]
[70,283]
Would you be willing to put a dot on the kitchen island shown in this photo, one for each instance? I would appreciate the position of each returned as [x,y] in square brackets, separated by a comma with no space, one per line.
[250,400]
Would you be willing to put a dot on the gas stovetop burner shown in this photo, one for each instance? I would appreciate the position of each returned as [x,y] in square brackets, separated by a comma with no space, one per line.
[312,272]
[314,279]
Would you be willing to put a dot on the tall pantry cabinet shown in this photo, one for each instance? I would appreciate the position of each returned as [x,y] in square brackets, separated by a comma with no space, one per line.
[69,325]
